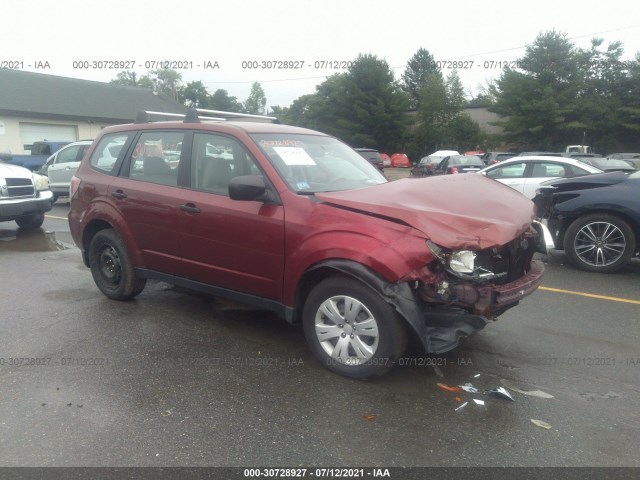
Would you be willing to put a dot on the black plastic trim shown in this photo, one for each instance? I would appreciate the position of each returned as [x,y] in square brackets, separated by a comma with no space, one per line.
[284,311]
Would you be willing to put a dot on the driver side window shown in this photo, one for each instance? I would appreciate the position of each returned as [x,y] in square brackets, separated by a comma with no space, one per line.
[216,159]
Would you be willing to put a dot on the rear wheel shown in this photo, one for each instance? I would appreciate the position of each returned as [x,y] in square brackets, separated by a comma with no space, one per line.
[111,268]
[35,220]
[599,243]
[351,330]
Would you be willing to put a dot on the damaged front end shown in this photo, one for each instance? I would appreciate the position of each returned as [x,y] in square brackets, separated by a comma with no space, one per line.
[473,287]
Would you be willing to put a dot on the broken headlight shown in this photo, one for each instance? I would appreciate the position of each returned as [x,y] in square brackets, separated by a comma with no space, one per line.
[461,263]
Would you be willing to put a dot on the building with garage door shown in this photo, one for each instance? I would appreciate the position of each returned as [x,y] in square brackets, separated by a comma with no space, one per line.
[34,106]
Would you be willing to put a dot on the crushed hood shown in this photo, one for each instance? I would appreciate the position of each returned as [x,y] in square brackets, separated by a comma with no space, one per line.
[465,211]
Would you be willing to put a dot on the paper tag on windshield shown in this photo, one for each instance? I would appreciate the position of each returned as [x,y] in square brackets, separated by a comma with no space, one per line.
[294,156]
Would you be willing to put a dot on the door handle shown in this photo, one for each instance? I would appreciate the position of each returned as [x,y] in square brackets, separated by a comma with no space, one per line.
[189,208]
[119,194]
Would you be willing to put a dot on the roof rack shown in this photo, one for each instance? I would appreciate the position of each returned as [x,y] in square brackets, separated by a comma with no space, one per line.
[193,116]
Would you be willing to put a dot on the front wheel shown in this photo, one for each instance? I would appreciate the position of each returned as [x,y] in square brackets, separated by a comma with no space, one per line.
[599,243]
[30,222]
[111,268]
[351,330]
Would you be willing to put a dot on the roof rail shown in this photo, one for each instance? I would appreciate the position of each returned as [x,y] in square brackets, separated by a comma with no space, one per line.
[193,116]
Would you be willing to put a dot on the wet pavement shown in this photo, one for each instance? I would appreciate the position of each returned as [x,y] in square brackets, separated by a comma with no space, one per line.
[176,379]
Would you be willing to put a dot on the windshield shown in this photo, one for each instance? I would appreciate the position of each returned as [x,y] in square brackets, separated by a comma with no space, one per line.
[313,164]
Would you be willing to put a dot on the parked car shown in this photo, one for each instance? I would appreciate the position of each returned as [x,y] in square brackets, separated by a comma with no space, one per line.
[632,158]
[400,160]
[594,219]
[24,196]
[299,223]
[40,152]
[427,164]
[608,165]
[372,156]
[61,166]
[490,158]
[459,164]
[525,174]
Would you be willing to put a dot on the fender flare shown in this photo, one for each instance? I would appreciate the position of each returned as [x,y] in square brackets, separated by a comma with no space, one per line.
[399,295]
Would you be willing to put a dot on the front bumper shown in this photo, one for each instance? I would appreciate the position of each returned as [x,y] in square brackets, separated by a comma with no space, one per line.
[12,208]
[486,299]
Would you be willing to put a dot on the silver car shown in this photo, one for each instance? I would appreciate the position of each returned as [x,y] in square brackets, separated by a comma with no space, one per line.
[61,166]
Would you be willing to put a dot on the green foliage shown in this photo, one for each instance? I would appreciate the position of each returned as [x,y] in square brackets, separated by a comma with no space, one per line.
[419,68]
[364,106]
[194,94]
[257,100]
[220,100]
[566,95]
[166,81]
[440,122]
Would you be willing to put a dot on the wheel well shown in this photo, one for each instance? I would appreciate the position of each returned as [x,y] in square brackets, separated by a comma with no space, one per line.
[90,231]
[394,294]
[309,280]
[634,225]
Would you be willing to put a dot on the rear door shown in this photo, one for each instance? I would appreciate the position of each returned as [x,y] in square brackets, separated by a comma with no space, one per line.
[238,245]
[542,171]
[148,196]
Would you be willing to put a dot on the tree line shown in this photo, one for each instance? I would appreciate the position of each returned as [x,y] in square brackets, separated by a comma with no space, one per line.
[559,94]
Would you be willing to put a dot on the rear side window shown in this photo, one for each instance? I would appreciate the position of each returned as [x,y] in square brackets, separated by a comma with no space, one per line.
[72,154]
[514,170]
[156,157]
[108,150]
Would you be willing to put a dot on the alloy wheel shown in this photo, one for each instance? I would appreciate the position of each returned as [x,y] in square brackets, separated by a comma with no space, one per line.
[599,244]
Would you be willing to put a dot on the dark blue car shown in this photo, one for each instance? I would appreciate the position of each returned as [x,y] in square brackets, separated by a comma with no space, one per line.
[595,219]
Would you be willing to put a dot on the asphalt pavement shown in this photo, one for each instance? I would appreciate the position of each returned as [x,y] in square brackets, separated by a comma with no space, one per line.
[177,379]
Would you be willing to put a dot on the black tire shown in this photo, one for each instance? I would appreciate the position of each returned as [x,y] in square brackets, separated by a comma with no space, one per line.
[111,268]
[378,354]
[30,222]
[599,243]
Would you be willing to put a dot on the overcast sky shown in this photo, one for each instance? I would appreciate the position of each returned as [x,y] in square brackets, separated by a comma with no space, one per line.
[230,33]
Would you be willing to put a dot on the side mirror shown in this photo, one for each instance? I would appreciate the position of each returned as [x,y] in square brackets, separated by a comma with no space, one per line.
[247,187]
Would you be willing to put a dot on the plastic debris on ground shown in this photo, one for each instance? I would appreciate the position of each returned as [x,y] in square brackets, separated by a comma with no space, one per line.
[458,399]
[476,375]
[467,387]
[370,417]
[530,393]
[448,388]
[541,424]
[501,392]
[479,402]
[461,406]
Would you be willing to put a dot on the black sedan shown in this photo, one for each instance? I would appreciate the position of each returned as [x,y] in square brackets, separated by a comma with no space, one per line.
[595,219]
[459,164]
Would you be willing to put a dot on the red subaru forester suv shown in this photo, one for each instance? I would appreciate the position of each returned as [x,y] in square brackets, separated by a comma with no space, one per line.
[297,222]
